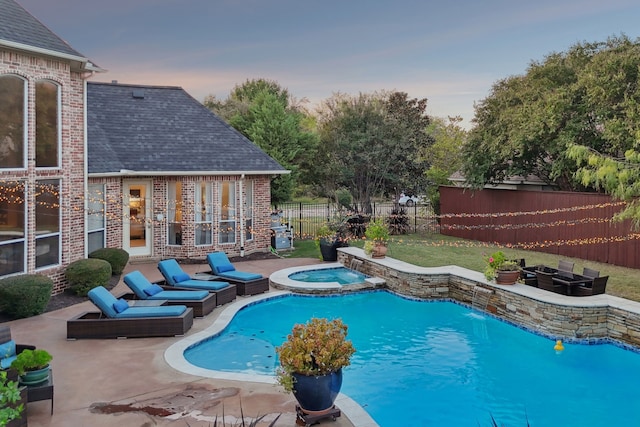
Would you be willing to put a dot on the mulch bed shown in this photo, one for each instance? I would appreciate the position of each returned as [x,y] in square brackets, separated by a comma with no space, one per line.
[67,298]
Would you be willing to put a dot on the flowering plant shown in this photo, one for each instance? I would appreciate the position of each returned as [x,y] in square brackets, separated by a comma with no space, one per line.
[318,347]
[498,261]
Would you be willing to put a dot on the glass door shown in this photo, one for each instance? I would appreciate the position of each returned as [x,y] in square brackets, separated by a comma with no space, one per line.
[137,222]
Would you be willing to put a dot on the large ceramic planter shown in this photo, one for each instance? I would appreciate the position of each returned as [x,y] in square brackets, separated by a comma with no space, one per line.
[507,277]
[379,251]
[316,394]
[328,250]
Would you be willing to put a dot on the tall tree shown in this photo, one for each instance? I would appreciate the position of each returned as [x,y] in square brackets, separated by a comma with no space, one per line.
[371,144]
[264,113]
[584,96]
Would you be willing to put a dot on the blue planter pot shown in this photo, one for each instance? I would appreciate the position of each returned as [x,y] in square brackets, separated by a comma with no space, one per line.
[35,377]
[316,394]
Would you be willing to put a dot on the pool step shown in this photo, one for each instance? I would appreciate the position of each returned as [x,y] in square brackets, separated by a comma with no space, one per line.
[375,281]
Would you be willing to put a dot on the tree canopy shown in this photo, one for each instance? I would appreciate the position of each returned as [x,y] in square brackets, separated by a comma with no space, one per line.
[587,96]
[370,144]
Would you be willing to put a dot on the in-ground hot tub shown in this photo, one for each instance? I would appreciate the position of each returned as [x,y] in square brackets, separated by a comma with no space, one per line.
[333,277]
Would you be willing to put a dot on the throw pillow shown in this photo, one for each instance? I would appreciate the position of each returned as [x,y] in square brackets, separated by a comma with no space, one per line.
[225,267]
[120,305]
[182,277]
[8,349]
[153,289]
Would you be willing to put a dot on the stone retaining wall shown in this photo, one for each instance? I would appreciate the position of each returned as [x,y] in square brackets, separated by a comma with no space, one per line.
[584,318]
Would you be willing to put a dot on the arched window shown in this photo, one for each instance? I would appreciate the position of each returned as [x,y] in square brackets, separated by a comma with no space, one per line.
[12,120]
[47,129]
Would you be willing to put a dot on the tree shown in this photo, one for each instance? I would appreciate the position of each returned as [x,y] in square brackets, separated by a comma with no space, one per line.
[263,112]
[444,155]
[370,144]
[587,96]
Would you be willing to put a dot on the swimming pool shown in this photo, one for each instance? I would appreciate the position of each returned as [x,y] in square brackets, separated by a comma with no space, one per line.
[440,363]
[341,275]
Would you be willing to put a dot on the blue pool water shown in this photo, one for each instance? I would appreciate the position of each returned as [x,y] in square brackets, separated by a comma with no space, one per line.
[342,275]
[441,364]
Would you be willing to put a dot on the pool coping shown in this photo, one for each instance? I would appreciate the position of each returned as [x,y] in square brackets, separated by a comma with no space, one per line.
[174,356]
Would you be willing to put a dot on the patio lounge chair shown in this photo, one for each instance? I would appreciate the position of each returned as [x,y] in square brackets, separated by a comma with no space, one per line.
[597,287]
[203,302]
[246,283]
[117,319]
[176,278]
[9,350]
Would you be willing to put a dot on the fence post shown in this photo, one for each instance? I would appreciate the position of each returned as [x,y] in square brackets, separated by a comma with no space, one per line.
[300,219]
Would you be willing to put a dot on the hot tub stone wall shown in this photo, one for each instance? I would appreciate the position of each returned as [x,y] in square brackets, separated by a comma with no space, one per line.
[575,322]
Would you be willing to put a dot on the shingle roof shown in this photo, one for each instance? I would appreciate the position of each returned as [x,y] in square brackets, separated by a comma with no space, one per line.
[19,26]
[163,129]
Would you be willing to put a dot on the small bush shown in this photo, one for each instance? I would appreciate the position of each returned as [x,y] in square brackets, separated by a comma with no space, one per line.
[25,295]
[86,274]
[118,258]
[398,222]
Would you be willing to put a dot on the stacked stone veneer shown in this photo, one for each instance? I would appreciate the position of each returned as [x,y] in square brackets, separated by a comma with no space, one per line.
[598,318]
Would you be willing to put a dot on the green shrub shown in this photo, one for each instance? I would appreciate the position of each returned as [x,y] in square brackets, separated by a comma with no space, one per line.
[25,295]
[86,274]
[118,258]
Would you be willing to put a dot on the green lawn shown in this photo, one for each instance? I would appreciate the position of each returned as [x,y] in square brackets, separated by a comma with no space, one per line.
[436,250]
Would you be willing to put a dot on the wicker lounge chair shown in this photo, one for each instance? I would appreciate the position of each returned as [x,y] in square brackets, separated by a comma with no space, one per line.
[176,278]
[246,283]
[117,319]
[203,302]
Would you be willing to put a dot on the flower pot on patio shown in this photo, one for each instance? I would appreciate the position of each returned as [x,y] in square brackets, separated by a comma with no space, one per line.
[507,277]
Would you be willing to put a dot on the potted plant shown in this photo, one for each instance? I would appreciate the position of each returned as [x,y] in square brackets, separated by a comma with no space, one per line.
[328,240]
[377,234]
[503,270]
[32,366]
[311,362]
[12,400]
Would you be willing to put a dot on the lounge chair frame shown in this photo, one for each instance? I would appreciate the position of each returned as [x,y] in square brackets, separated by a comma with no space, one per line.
[96,325]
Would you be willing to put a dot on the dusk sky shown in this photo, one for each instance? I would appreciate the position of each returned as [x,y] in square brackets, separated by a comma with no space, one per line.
[450,52]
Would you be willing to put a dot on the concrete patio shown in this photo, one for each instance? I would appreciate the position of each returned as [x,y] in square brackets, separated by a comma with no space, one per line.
[126,382]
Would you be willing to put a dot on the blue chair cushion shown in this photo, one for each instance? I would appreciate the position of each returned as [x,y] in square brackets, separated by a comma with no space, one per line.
[138,283]
[170,268]
[181,277]
[209,285]
[153,290]
[219,262]
[7,353]
[182,295]
[240,275]
[120,305]
[7,361]
[162,311]
[103,299]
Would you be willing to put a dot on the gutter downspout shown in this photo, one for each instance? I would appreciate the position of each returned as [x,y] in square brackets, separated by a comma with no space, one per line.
[242,199]
[85,178]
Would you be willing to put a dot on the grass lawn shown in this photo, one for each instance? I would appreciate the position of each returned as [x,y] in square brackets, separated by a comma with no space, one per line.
[437,250]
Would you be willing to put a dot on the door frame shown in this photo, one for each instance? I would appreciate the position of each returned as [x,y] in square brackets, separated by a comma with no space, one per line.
[147,248]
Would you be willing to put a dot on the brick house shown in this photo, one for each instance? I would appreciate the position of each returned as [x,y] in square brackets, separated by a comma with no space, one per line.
[85,165]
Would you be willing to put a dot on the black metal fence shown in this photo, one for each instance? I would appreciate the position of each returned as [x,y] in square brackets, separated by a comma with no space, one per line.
[305,218]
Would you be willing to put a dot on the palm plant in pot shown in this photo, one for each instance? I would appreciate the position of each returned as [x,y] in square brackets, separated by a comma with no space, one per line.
[32,366]
[311,362]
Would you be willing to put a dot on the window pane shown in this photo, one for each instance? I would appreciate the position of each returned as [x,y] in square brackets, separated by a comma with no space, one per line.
[11,258]
[95,241]
[47,249]
[203,211]
[47,206]
[11,122]
[46,124]
[203,234]
[227,232]
[227,222]
[96,207]
[174,210]
[11,211]
[248,214]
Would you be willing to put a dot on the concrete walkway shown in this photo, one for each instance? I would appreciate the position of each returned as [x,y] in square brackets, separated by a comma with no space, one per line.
[126,382]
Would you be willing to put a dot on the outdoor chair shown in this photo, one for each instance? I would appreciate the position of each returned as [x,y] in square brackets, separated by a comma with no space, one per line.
[246,283]
[118,319]
[176,278]
[9,350]
[588,272]
[596,287]
[202,302]
[564,265]
[545,281]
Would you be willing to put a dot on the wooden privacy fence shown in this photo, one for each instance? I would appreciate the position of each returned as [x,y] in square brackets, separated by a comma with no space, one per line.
[564,223]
